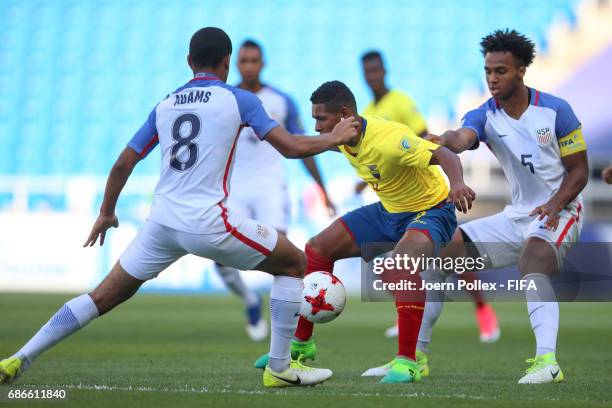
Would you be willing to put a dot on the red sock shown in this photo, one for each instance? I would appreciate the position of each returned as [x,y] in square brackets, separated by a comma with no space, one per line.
[409,318]
[314,262]
[410,305]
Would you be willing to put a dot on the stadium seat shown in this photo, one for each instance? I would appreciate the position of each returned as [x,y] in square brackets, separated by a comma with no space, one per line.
[76,77]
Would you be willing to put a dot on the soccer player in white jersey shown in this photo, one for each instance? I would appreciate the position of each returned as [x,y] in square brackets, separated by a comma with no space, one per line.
[259,168]
[197,127]
[538,141]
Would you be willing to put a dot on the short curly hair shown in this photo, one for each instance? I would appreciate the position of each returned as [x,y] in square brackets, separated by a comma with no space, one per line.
[521,47]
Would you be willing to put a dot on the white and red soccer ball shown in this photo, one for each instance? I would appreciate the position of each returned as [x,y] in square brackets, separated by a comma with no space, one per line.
[324,297]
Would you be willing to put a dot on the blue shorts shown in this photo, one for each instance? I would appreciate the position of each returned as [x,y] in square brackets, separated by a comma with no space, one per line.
[372,223]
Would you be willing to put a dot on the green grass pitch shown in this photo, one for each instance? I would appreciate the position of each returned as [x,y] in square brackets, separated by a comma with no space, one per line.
[192,351]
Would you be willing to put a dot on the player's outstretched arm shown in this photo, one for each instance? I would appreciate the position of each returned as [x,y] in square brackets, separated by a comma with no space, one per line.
[312,168]
[296,146]
[455,140]
[460,194]
[577,168]
[117,178]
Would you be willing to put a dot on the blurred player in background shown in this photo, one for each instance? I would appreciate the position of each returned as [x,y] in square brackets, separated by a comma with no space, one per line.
[397,106]
[606,174]
[414,212]
[538,141]
[390,104]
[259,169]
[197,127]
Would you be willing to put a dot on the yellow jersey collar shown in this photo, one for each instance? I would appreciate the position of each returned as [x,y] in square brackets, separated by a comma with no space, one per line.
[349,149]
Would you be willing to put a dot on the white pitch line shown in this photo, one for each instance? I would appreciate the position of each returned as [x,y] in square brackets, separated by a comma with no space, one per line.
[204,390]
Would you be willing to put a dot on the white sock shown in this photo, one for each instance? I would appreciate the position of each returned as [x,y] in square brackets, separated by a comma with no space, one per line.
[433,308]
[543,312]
[285,302]
[74,315]
[232,279]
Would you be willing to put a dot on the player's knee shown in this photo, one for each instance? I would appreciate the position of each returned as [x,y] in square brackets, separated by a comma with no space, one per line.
[538,258]
[315,244]
[539,264]
[312,243]
[459,236]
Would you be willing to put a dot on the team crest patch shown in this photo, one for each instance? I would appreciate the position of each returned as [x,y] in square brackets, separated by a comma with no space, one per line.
[405,144]
[544,136]
[374,171]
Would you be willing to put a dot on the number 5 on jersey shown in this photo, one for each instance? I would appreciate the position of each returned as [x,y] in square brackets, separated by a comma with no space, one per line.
[527,163]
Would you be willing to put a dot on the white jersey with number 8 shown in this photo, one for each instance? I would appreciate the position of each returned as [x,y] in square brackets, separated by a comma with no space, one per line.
[197,127]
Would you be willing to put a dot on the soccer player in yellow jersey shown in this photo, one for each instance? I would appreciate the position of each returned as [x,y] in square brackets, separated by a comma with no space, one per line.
[416,210]
[397,106]
[391,104]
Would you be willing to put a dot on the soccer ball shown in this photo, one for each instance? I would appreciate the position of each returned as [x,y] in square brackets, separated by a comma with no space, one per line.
[323,298]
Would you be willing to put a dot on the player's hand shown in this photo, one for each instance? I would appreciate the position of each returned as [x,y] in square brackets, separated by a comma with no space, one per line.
[345,130]
[102,224]
[433,138]
[549,210]
[462,196]
[360,186]
[331,208]
[606,174]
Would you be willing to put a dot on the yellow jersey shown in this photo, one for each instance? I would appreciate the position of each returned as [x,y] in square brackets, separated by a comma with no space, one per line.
[398,107]
[395,163]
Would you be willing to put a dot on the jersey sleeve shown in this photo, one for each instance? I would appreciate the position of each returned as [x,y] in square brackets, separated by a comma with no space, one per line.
[568,130]
[411,116]
[293,123]
[476,120]
[253,114]
[408,149]
[145,139]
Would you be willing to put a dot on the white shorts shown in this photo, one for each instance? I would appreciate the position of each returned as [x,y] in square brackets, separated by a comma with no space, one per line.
[500,238]
[269,204]
[245,245]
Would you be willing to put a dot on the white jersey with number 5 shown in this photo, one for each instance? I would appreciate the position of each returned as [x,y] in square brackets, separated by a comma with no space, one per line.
[530,148]
[197,127]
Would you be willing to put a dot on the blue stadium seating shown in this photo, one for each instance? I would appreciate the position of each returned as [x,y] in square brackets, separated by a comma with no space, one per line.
[77,78]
